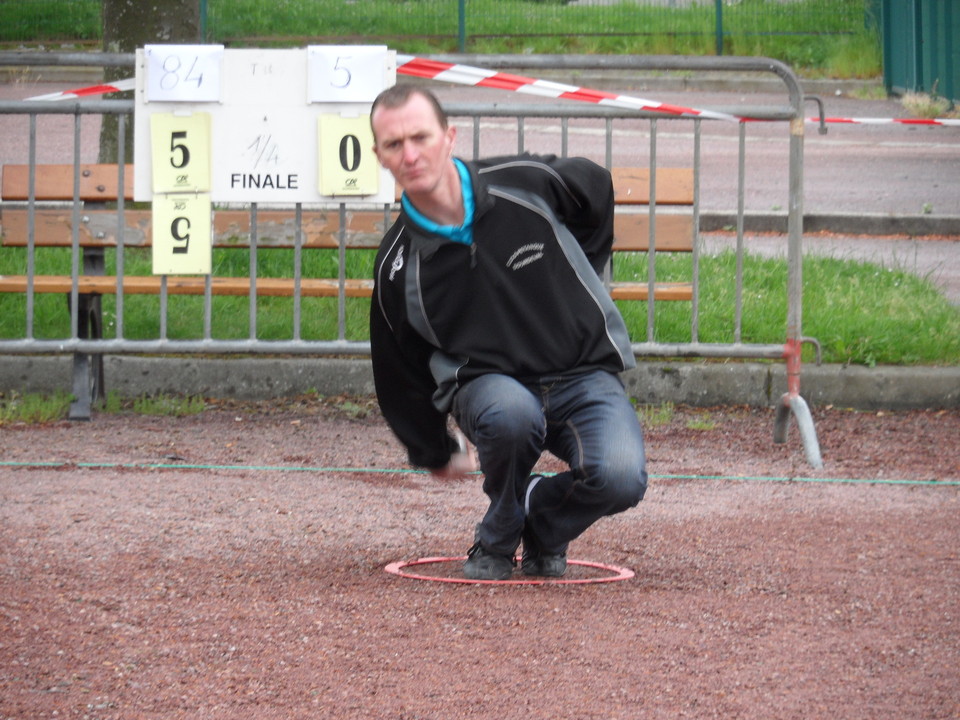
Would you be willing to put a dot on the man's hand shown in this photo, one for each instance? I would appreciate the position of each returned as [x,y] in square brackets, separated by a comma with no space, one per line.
[462,463]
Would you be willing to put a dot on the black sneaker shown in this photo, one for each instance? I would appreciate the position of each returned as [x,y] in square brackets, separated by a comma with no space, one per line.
[481,564]
[538,563]
[534,560]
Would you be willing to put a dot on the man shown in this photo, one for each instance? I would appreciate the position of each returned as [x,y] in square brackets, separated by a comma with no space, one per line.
[488,305]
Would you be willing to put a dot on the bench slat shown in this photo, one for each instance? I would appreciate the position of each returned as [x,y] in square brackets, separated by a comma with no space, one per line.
[185,285]
[661,291]
[631,186]
[98,228]
[269,287]
[98,183]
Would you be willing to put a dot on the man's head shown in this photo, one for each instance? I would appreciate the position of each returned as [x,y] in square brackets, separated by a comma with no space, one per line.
[398,95]
[412,137]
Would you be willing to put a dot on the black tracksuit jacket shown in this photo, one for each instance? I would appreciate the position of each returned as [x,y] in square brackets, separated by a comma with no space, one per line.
[525,299]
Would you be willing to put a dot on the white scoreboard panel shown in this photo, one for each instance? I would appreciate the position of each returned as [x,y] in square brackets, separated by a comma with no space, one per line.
[265,126]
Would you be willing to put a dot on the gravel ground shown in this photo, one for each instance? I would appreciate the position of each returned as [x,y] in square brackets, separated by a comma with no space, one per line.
[231,565]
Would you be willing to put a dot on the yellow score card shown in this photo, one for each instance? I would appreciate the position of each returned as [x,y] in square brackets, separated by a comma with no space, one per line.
[347,163]
[182,235]
[180,152]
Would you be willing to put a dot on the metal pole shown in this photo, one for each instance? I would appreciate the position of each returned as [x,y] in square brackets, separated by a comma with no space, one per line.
[31,222]
[252,313]
[718,27]
[795,235]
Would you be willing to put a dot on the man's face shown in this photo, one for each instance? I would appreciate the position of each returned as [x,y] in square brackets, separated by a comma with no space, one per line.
[412,145]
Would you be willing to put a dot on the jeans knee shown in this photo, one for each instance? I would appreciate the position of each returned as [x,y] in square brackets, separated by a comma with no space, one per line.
[624,486]
[496,408]
[511,420]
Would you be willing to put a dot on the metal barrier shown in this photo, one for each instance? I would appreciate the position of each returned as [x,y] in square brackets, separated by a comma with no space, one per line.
[526,119]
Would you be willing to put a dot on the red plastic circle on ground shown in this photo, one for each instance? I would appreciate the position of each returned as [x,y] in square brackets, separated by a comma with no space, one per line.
[616,573]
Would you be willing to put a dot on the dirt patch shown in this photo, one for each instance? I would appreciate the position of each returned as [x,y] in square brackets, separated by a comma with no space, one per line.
[231,564]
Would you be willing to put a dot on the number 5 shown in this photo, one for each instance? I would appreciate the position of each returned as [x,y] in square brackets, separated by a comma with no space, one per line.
[179,147]
[347,75]
[180,235]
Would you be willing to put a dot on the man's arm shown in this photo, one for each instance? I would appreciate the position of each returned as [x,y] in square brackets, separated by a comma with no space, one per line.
[404,391]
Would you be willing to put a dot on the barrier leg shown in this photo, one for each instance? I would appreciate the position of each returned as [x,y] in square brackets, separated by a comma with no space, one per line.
[792,404]
[797,407]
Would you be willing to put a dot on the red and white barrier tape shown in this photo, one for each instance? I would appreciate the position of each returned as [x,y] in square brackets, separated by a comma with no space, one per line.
[479,77]
[119,86]
[954,122]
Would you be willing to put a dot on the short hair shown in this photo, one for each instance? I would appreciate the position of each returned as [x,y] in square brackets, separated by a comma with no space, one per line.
[399,95]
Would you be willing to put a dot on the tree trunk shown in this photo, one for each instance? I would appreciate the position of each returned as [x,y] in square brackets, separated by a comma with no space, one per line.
[131,24]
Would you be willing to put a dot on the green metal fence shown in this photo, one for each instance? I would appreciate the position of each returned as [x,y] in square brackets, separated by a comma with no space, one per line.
[613,26]
[921,46]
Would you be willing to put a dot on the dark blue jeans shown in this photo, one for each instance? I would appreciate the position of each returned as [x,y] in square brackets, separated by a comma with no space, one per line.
[585,420]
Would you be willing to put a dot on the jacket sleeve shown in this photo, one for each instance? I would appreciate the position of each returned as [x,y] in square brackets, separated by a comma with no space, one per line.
[404,389]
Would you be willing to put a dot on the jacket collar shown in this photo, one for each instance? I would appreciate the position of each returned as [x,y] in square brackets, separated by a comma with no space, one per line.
[427,242]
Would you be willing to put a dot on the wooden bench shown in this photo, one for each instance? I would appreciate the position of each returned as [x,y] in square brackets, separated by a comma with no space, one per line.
[97,230]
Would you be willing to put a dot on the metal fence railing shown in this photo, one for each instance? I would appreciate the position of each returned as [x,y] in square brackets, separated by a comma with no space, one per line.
[644,26]
[611,136]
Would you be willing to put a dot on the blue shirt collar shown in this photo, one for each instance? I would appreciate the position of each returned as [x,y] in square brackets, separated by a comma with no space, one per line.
[457,233]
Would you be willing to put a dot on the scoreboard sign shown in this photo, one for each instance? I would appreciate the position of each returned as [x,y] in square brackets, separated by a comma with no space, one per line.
[282,126]
[251,126]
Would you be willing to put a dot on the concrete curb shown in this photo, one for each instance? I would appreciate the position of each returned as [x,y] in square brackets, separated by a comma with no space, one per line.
[875,224]
[702,384]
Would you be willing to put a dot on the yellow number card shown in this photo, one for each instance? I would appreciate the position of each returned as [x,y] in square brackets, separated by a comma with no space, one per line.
[347,163]
[181,235]
[180,152]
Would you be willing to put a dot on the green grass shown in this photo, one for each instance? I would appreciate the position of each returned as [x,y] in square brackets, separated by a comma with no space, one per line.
[43,20]
[827,37]
[39,408]
[168,405]
[861,313]
[655,416]
[34,408]
[819,36]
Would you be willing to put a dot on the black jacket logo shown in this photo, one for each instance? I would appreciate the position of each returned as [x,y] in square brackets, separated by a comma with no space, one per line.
[397,262]
[525,255]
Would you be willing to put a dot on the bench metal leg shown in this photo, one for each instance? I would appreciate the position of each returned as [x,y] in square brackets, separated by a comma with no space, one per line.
[88,384]
[82,393]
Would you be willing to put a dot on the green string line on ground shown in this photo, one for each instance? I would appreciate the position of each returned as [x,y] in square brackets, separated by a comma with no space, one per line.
[409,471]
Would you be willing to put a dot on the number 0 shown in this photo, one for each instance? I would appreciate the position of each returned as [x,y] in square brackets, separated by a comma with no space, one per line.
[349,153]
